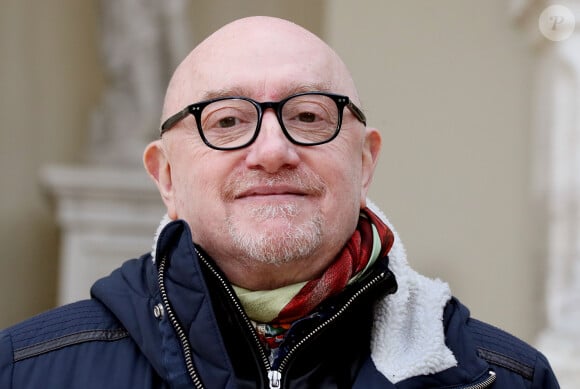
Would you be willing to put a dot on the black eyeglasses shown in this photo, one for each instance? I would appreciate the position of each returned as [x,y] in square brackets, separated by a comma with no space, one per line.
[230,123]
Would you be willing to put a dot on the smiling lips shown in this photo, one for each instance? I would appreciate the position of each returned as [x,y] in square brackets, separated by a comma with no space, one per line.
[269,191]
[248,184]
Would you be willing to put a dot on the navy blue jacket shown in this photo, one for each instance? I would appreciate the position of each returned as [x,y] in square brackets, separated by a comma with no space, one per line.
[174,324]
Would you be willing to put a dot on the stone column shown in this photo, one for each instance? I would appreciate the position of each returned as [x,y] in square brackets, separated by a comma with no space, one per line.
[107,207]
[554,32]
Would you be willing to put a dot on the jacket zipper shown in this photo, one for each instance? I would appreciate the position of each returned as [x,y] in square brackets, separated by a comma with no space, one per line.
[186,348]
[485,383]
[275,376]
[226,286]
[283,364]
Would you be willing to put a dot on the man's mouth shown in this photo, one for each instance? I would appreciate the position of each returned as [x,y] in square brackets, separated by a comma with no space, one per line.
[271,191]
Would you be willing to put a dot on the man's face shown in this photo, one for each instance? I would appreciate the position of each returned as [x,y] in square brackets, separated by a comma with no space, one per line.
[273,202]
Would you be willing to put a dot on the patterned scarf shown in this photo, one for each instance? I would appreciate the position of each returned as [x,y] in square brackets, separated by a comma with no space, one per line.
[372,239]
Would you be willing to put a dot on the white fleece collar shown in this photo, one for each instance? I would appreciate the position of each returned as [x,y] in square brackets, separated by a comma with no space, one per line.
[165,220]
[408,337]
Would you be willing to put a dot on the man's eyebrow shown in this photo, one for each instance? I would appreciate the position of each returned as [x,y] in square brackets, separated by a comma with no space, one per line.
[247,92]
[225,92]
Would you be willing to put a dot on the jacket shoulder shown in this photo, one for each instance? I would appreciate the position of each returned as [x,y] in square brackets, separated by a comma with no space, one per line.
[506,351]
[501,348]
[72,324]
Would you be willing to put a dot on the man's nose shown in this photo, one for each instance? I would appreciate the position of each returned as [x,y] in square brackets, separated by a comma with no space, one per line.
[272,150]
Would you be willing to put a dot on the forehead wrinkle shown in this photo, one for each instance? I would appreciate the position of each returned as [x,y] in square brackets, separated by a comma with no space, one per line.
[241,91]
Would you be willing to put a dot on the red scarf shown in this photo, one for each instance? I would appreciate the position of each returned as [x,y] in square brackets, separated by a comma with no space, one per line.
[350,261]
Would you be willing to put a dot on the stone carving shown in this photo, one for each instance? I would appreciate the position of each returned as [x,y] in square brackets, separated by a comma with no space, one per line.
[107,207]
[142,41]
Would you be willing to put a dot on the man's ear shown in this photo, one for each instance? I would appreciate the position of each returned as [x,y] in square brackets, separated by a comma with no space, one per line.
[370,157]
[158,166]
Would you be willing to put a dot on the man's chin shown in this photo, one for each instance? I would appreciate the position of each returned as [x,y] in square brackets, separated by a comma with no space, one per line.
[272,227]
[274,252]
[276,240]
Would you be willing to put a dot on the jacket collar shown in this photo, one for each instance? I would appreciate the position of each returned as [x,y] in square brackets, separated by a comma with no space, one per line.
[408,337]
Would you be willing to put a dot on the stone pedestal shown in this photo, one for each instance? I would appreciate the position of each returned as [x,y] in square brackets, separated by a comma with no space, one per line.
[108,209]
[107,215]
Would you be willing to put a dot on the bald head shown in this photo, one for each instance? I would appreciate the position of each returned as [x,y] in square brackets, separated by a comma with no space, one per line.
[264,58]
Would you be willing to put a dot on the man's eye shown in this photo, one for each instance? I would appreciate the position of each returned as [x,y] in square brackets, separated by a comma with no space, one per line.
[229,121]
[307,117]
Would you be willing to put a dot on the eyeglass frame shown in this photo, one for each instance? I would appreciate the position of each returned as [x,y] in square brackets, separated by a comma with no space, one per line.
[196,109]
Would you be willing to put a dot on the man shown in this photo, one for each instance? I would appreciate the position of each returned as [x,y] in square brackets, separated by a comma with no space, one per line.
[272,268]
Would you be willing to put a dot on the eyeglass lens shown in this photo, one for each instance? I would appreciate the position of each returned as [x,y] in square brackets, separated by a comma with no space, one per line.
[308,119]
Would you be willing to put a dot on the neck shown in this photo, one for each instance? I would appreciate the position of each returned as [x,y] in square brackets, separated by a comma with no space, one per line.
[261,276]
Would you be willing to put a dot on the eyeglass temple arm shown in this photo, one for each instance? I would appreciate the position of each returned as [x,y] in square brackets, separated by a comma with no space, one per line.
[173,120]
[357,112]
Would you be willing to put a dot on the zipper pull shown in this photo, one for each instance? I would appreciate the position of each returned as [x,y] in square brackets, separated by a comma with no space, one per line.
[275,377]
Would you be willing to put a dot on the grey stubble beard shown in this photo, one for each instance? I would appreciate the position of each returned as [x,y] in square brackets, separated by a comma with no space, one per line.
[298,241]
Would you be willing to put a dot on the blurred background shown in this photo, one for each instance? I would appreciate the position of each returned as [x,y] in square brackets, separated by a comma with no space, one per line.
[450,84]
